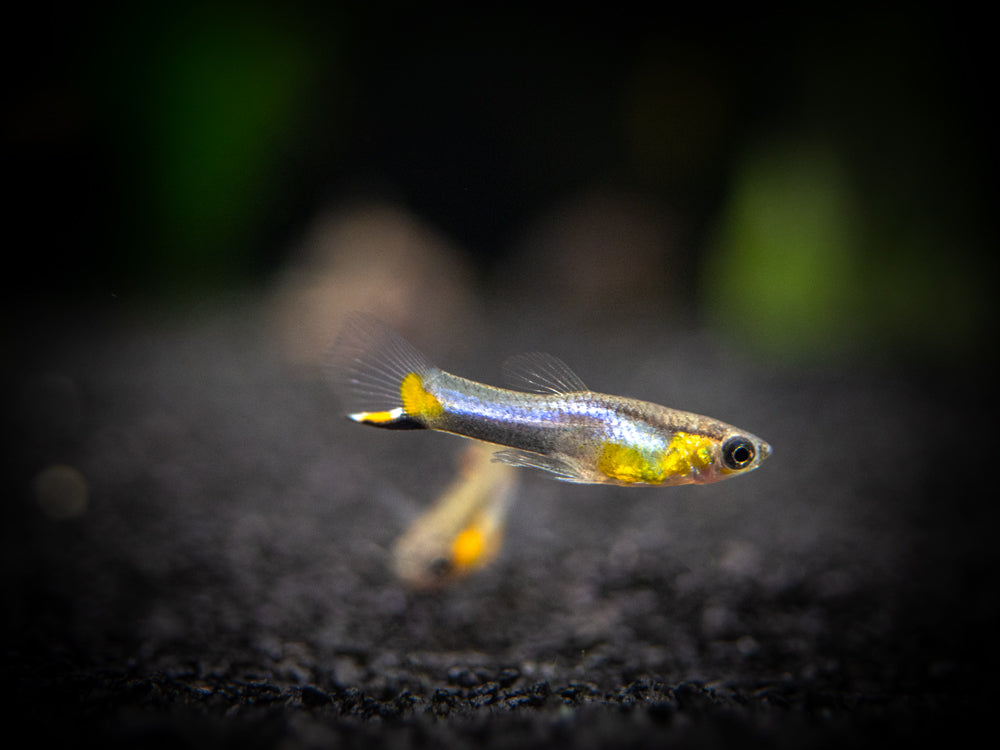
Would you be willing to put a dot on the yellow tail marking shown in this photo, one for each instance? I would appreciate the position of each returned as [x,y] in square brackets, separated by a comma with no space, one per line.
[684,454]
[376,417]
[417,402]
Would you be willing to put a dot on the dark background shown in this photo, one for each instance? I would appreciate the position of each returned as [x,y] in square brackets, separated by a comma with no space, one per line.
[779,219]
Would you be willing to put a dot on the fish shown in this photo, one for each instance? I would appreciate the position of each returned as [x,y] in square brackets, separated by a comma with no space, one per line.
[462,531]
[549,420]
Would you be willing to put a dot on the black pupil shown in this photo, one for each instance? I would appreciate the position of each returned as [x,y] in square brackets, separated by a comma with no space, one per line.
[738,452]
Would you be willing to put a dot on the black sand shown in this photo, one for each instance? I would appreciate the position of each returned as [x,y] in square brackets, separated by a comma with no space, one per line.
[228,584]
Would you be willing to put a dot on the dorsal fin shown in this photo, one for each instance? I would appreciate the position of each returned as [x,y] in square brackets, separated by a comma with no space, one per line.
[538,372]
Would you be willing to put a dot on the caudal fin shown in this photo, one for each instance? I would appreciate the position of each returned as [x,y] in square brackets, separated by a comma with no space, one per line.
[376,372]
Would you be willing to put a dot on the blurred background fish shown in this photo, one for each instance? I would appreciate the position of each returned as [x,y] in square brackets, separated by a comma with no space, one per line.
[462,530]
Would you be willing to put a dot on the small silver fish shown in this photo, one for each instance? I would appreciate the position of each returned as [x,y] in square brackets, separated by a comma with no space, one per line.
[555,423]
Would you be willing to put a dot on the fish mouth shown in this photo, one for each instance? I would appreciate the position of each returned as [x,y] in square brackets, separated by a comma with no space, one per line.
[764,450]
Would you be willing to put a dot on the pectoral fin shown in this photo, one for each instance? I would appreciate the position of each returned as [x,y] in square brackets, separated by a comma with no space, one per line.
[560,469]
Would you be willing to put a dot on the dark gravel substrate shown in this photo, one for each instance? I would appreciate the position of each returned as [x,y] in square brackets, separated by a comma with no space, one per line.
[228,585]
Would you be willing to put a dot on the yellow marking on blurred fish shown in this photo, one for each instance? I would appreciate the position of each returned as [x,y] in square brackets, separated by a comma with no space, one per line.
[555,424]
[470,548]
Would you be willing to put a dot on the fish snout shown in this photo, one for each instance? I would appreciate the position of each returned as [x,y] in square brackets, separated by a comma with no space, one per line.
[764,450]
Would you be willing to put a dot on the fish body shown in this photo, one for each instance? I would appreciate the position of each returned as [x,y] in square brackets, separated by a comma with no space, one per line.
[553,422]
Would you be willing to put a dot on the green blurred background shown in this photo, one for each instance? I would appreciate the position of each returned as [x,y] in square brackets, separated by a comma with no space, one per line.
[828,178]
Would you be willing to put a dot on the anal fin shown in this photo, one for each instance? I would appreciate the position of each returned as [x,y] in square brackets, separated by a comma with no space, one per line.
[557,467]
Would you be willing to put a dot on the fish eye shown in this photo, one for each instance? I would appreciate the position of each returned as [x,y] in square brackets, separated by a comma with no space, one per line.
[738,453]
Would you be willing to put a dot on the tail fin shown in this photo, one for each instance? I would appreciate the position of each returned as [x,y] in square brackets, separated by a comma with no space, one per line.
[378,375]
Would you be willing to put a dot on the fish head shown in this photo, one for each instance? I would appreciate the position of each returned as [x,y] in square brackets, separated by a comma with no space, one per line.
[739,452]
[719,452]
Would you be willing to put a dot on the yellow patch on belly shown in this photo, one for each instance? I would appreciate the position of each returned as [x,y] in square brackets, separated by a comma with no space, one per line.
[685,454]
[627,464]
